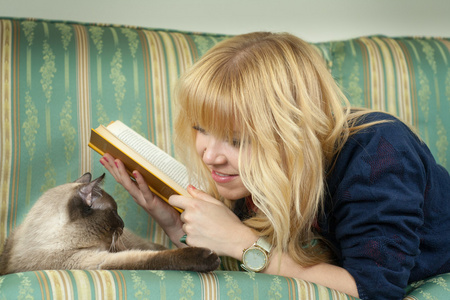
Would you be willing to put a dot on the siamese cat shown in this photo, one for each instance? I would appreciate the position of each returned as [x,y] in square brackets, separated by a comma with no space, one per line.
[76,226]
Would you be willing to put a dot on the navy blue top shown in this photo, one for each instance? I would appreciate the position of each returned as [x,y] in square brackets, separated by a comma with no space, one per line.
[387,210]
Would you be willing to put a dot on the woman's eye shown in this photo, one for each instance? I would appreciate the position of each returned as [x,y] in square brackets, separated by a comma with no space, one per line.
[199,129]
[236,143]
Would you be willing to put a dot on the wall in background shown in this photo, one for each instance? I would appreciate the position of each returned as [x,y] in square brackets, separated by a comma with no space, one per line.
[313,20]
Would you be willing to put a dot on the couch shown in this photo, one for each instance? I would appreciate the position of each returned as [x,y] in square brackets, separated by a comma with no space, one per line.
[60,79]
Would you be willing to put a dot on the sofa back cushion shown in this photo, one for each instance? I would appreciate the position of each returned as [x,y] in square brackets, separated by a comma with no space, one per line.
[60,79]
[408,77]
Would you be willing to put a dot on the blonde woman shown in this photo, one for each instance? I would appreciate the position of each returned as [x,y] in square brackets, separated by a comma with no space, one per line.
[349,199]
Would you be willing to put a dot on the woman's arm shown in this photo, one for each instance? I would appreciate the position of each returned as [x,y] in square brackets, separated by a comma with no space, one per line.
[165,215]
[328,275]
[208,223]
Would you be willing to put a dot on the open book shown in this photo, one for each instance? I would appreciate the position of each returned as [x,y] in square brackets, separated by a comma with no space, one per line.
[165,175]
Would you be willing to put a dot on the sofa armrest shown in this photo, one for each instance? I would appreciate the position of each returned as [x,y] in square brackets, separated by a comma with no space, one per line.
[128,284]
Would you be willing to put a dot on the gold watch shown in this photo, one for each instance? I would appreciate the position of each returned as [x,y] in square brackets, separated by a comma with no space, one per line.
[256,257]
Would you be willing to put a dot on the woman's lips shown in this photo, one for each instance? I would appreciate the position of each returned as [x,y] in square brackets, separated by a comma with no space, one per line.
[221,177]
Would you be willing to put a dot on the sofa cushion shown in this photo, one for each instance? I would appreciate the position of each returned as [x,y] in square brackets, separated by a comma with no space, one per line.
[406,76]
[60,79]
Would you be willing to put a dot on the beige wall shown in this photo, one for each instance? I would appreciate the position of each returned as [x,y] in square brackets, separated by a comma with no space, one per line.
[313,20]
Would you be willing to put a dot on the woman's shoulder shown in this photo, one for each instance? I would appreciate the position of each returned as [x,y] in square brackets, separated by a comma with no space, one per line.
[380,124]
[379,117]
[382,136]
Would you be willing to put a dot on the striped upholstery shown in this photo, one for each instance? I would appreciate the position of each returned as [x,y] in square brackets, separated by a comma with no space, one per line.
[59,79]
[82,284]
[408,77]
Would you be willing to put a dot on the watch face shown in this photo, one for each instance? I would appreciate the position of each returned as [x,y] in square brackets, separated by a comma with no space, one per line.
[255,259]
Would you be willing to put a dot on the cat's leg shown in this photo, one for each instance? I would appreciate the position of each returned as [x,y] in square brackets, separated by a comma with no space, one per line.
[128,240]
[185,259]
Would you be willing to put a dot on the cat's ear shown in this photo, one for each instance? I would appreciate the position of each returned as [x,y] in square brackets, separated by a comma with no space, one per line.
[91,191]
[85,178]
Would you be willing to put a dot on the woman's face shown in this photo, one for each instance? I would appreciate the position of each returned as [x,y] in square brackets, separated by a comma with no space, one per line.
[222,159]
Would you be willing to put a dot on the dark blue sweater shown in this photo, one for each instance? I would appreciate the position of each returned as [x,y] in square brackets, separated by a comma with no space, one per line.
[387,210]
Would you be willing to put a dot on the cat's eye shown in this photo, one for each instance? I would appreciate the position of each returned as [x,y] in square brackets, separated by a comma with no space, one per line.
[87,209]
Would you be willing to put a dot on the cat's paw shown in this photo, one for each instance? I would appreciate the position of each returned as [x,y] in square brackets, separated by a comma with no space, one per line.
[197,259]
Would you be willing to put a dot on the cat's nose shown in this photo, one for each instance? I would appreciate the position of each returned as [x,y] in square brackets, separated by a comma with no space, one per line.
[119,220]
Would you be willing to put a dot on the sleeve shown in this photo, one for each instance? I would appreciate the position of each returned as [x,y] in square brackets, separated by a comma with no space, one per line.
[378,209]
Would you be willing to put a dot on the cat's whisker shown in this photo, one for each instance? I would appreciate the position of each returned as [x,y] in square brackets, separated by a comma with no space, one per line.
[113,247]
[120,240]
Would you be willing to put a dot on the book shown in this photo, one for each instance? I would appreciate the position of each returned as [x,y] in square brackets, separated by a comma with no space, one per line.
[164,175]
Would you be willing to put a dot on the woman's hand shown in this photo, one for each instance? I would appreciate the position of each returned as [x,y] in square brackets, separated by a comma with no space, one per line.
[209,223]
[166,216]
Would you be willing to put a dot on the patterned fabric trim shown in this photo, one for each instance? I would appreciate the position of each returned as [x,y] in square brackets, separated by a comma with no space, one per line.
[6,151]
[100,284]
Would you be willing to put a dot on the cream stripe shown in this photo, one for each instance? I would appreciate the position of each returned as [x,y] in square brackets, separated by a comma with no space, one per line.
[410,298]
[83,284]
[389,73]
[186,59]
[322,292]
[5,115]
[61,285]
[171,75]
[403,82]
[413,90]
[305,289]
[377,92]
[83,80]
[104,285]
[158,85]
[158,101]
[147,75]
[184,50]
[209,285]
[154,231]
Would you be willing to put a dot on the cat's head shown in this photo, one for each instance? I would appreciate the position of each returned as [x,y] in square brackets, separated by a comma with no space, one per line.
[93,212]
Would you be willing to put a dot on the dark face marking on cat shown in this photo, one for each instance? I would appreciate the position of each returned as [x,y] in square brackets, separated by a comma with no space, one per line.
[91,205]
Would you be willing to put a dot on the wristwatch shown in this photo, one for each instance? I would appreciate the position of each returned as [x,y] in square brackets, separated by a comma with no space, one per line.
[256,257]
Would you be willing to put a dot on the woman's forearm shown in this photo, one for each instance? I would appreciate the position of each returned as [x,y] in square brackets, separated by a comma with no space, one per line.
[328,275]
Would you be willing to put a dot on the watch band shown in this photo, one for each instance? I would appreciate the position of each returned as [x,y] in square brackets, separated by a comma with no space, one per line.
[263,243]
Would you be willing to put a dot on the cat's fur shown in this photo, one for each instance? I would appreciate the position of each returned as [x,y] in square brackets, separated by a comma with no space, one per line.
[76,226]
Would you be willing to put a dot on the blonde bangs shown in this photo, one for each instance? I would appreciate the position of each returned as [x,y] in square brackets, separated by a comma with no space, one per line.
[206,100]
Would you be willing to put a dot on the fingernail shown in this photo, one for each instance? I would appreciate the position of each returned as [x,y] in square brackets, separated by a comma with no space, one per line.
[117,165]
[101,161]
[105,159]
[134,174]
[192,187]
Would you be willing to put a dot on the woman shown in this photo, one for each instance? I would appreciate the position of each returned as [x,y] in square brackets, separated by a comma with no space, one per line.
[350,199]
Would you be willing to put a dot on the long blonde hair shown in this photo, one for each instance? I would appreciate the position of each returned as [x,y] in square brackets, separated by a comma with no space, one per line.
[276,92]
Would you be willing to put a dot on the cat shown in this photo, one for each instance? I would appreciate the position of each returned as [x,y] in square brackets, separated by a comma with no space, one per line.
[76,226]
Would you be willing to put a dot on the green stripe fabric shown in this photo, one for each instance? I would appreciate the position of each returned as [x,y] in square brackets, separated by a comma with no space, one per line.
[408,77]
[60,79]
[120,284]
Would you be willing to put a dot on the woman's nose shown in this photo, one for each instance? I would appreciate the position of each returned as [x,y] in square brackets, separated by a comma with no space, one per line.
[213,153]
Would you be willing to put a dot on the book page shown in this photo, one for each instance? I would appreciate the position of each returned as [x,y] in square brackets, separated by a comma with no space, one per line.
[153,154]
